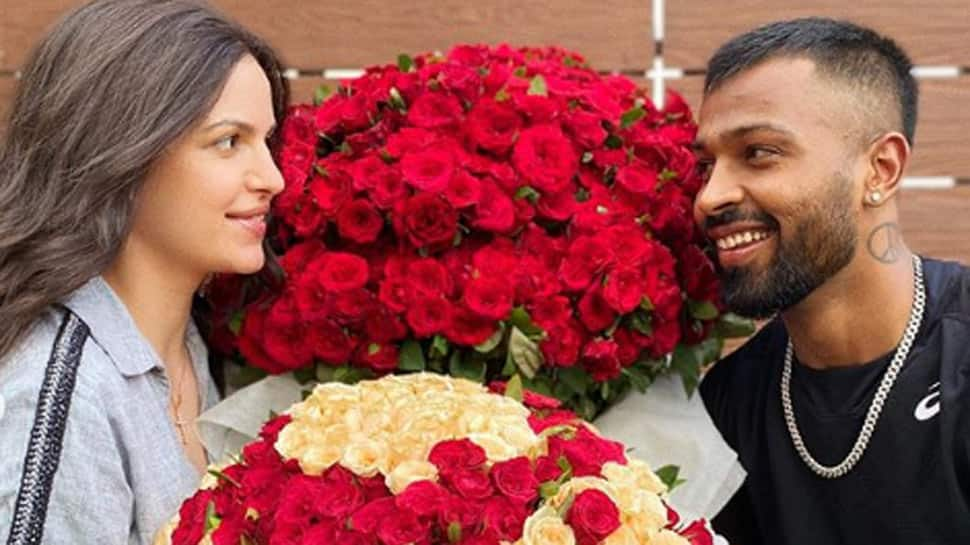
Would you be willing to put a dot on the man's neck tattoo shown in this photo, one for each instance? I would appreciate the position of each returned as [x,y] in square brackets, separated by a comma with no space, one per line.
[885,243]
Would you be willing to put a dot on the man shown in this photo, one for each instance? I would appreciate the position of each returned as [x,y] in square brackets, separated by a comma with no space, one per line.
[850,410]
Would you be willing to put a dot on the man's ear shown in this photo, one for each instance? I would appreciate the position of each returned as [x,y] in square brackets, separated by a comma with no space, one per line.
[888,157]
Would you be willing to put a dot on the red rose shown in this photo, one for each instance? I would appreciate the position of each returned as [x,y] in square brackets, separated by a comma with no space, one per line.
[380,358]
[455,454]
[624,288]
[434,110]
[344,272]
[697,533]
[547,468]
[545,158]
[492,126]
[251,341]
[428,316]
[587,257]
[330,343]
[464,190]
[586,128]
[192,519]
[505,519]
[307,219]
[637,178]
[429,170]
[627,347]
[562,344]
[601,360]
[359,221]
[389,189]
[558,206]
[516,480]
[409,139]
[332,191]
[594,311]
[550,311]
[429,277]
[664,337]
[468,328]
[496,259]
[373,515]
[539,423]
[495,211]
[427,220]
[593,516]
[395,292]
[424,498]
[383,326]
[490,298]
[284,335]
[470,484]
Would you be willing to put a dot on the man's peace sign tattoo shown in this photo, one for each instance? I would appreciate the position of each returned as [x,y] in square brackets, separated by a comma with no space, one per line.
[885,243]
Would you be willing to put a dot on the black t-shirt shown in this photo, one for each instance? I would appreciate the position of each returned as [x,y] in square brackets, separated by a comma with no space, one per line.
[912,485]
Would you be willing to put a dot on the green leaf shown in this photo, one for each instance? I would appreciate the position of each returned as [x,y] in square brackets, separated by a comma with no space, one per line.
[582,195]
[492,341]
[687,363]
[526,192]
[396,100]
[631,116]
[404,62]
[525,353]
[669,476]
[502,95]
[470,368]
[639,378]
[586,408]
[576,379]
[613,142]
[454,532]
[702,310]
[538,86]
[439,346]
[235,323]
[642,322]
[321,93]
[730,325]
[519,71]
[513,388]
[646,304]
[324,372]
[223,477]
[548,489]
[212,520]
[351,375]
[305,375]
[540,384]
[520,318]
[667,174]
[411,357]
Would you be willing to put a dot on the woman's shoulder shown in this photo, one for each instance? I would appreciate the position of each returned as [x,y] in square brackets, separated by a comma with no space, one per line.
[24,369]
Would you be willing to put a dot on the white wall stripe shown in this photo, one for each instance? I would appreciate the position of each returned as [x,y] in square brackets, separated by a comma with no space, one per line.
[929,182]
[928,72]
[343,73]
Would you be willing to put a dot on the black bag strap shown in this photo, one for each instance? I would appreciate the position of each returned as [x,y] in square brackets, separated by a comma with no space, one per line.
[47,435]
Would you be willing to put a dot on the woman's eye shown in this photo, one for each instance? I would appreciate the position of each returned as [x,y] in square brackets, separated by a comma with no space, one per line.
[227,143]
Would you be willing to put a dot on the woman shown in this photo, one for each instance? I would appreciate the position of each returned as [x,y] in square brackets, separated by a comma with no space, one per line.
[135,164]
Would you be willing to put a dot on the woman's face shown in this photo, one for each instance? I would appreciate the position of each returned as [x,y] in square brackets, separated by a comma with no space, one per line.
[204,204]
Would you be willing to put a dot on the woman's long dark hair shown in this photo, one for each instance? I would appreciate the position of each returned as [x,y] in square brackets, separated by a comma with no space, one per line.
[103,94]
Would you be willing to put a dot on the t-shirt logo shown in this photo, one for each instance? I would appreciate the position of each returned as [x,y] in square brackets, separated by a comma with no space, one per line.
[929,406]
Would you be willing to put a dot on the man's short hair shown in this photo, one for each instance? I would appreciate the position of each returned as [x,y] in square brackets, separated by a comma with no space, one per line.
[858,56]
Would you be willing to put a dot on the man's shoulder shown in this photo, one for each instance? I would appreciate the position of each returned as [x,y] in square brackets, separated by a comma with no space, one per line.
[751,363]
[948,286]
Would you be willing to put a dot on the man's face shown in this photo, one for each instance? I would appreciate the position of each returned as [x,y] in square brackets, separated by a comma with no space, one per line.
[780,200]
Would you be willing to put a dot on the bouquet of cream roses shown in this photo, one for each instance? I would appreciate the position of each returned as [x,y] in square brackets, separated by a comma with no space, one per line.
[428,459]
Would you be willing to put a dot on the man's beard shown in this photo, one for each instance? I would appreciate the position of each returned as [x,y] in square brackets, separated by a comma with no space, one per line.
[823,243]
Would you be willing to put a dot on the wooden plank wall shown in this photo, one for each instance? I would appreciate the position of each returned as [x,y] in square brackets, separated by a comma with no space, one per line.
[615,35]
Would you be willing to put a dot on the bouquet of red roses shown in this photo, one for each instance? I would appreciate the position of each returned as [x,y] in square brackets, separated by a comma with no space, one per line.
[488,213]
[425,459]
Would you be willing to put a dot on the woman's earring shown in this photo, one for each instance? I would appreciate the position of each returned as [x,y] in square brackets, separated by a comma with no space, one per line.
[875,198]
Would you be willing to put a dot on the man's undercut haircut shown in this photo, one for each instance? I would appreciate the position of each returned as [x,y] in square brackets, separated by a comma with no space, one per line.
[874,68]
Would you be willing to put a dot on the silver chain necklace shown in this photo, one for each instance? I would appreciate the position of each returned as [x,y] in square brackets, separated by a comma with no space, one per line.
[869,425]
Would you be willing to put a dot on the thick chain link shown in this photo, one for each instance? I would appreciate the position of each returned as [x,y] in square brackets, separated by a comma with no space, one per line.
[882,393]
